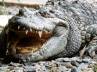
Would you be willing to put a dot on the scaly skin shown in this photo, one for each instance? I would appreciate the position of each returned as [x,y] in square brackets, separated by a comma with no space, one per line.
[72,24]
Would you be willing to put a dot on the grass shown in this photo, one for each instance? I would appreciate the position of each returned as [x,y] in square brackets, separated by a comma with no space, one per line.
[95,68]
[3,8]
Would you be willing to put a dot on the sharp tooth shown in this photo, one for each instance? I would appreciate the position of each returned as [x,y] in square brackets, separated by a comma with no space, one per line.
[30,29]
[40,33]
[18,27]
[46,31]
[36,31]
[26,32]
[24,28]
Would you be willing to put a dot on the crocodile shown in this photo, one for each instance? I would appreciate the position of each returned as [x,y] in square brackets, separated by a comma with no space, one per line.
[58,29]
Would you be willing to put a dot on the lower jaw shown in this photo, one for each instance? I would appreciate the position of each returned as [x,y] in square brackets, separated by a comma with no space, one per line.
[26,50]
[26,47]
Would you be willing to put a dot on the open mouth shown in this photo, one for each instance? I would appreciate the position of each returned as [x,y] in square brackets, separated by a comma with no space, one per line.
[29,40]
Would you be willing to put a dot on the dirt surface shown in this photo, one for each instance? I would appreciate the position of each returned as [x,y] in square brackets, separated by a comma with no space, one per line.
[74,64]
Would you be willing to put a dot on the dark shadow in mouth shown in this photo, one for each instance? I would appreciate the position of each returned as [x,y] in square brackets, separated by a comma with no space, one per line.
[32,41]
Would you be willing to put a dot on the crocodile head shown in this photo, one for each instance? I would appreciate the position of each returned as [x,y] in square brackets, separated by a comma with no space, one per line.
[30,33]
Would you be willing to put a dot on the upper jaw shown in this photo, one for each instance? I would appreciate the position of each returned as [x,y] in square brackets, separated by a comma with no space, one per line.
[34,22]
[26,32]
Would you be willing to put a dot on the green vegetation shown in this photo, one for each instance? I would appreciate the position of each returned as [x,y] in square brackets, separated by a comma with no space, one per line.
[3,8]
[95,68]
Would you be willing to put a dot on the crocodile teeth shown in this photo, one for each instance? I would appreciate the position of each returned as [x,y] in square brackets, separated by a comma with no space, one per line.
[18,27]
[24,28]
[30,29]
[35,31]
[40,33]
[46,32]
[26,32]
